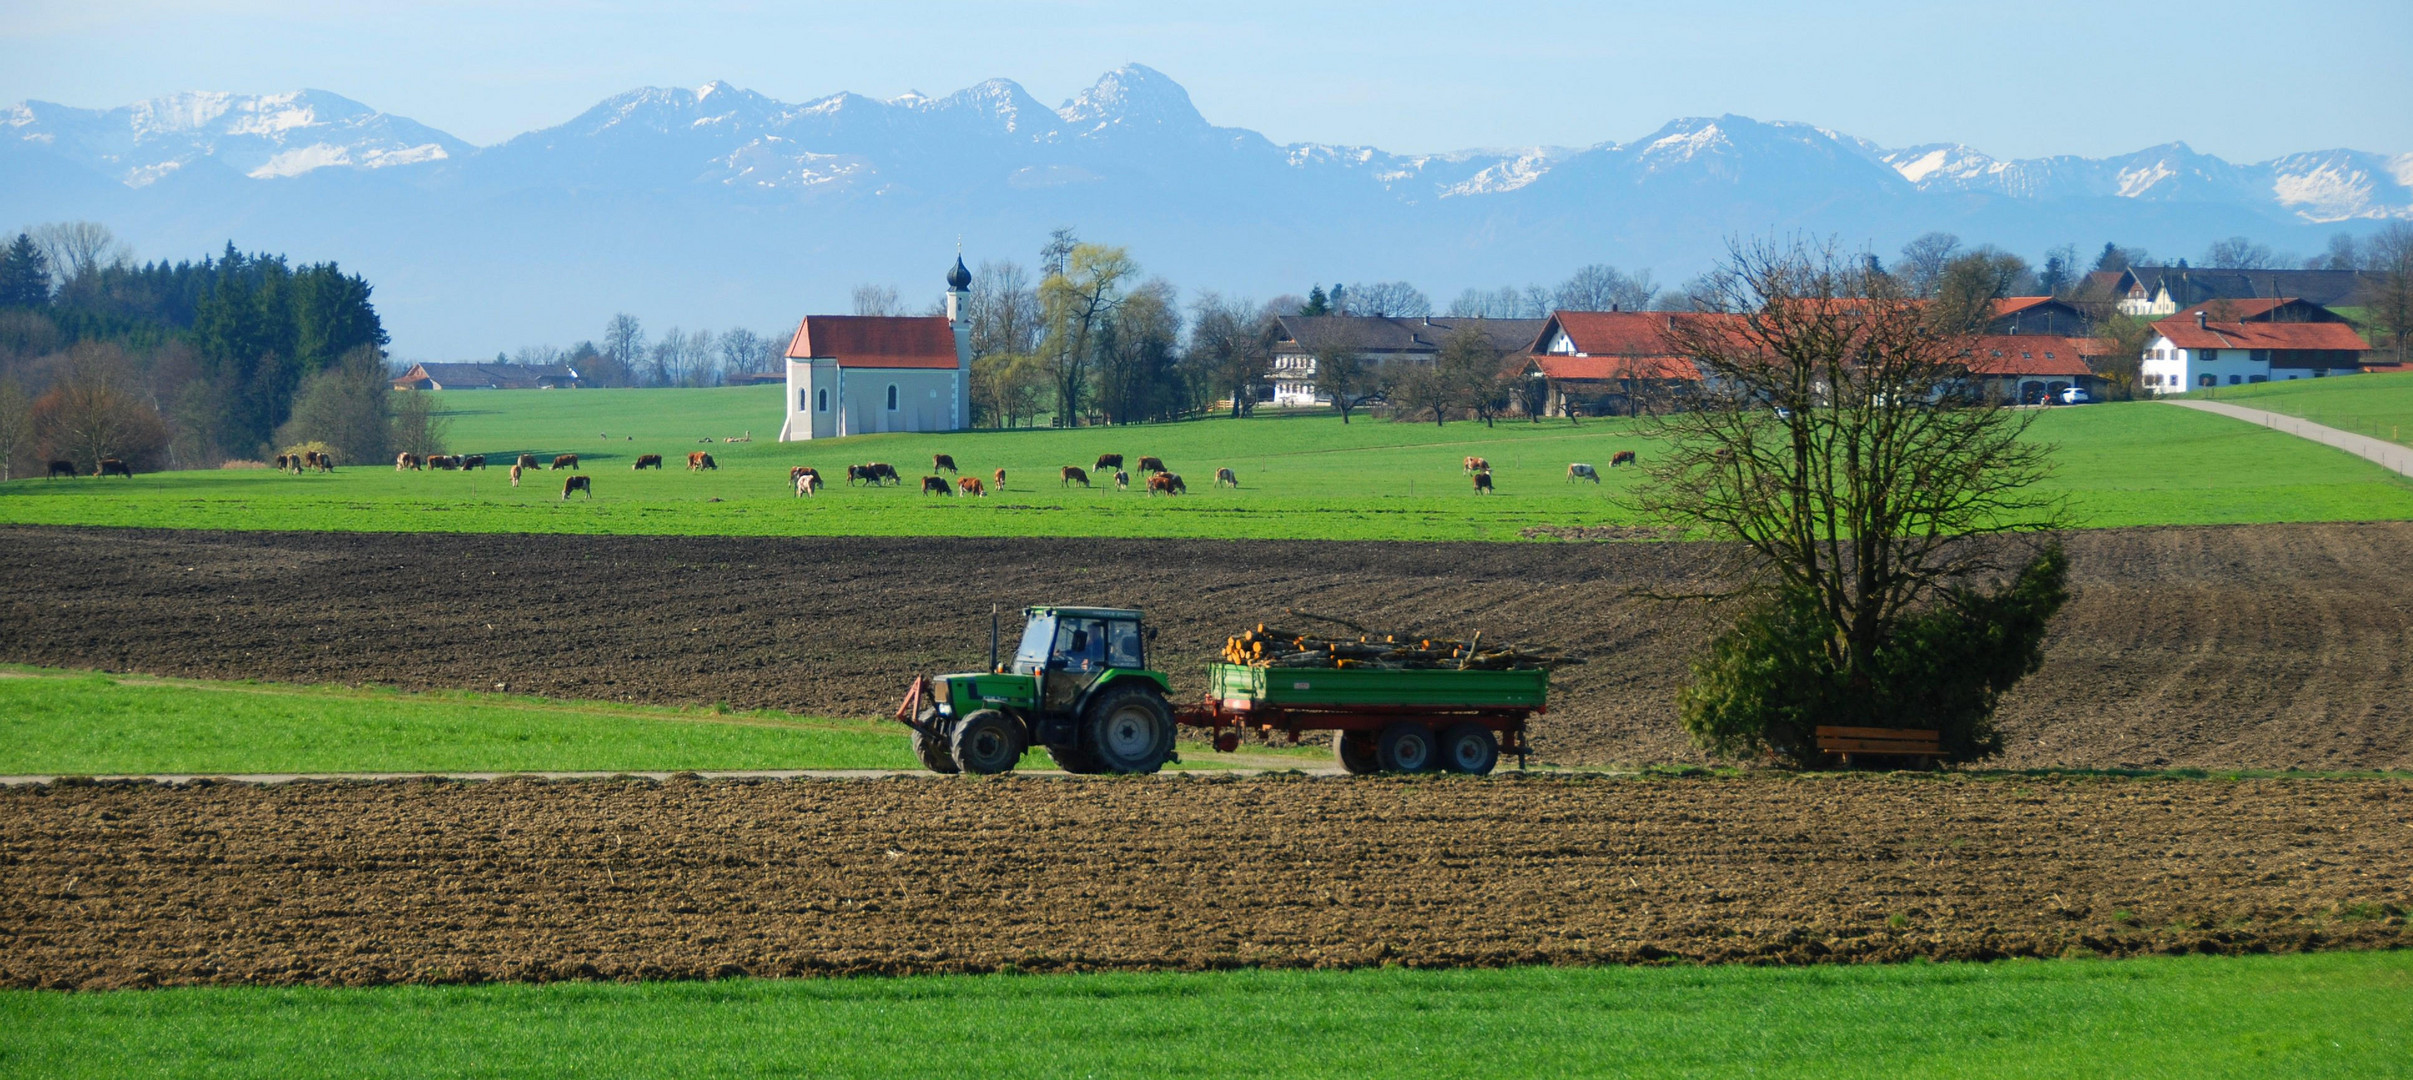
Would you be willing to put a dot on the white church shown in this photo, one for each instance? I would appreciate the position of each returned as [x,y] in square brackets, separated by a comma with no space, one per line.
[861,374]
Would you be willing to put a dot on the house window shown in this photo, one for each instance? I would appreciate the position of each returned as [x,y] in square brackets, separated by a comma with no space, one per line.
[2259,378]
[2208,380]
[891,397]
[2208,355]
[2234,380]
[821,400]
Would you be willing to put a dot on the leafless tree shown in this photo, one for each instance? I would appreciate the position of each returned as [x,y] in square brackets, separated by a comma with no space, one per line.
[1004,310]
[1970,283]
[1468,367]
[418,429]
[623,350]
[878,300]
[1233,341]
[1601,287]
[2390,254]
[743,351]
[1923,261]
[96,410]
[77,249]
[1386,299]
[16,425]
[2240,253]
[1342,371]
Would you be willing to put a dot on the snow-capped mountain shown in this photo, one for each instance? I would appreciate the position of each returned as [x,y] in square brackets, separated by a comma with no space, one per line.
[721,205]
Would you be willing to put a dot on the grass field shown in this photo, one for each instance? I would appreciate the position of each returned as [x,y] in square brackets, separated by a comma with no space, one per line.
[2380,406]
[2194,1018]
[1302,477]
[61,723]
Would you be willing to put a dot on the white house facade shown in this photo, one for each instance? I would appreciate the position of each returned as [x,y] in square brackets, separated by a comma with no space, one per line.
[863,374]
[2192,353]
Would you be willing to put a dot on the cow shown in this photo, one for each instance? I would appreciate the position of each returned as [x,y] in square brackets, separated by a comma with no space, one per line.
[1151,465]
[568,461]
[1483,482]
[859,472]
[807,482]
[527,461]
[61,468]
[971,486]
[405,461]
[1001,479]
[576,482]
[1577,470]
[1166,482]
[113,467]
[474,461]
[283,462]
[1072,474]
[515,471]
[1122,480]
[1107,461]
[1623,457]
[323,462]
[881,470]
[942,463]
[801,471]
[934,485]
[647,461]
[1226,478]
[698,460]
[446,462]
[1475,465]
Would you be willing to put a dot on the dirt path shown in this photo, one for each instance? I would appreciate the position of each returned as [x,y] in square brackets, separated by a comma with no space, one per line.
[2378,451]
[2262,646]
[365,883]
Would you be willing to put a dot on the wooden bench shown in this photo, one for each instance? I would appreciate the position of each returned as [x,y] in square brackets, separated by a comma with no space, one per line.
[1890,742]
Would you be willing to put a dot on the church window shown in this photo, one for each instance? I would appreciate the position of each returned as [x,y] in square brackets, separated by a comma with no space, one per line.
[891,397]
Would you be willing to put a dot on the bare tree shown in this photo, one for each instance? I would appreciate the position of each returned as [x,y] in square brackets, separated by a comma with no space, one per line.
[1468,366]
[1233,341]
[418,429]
[347,407]
[1923,261]
[1004,310]
[1055,257]
[623,350]
[1601,287]
[741,351]
[1386,299]
[96,411]
[77,249]
[878,300]
[2390,254]
[536,356]
[2240,253]
[1342,371]
[16,425]
[1966,290]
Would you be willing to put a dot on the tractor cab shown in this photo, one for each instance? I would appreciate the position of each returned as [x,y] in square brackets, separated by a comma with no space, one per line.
[1078,684]
[1079,641]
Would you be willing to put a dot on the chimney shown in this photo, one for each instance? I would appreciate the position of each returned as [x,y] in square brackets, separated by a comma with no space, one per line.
[2199,318]
[1612,306]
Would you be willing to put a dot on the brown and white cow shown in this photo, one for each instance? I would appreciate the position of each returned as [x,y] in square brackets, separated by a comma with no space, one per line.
[405,461]
[1166,482]
[808,482]
[1072,474]
[1483,482]
[1623,457]
[799,472]
[576,483]
[1475,465]
[1577,470]
[113,467]
[1152,465]
[970,485]
[1001,479]
[935,485]
[698,460]
[567,461]
[527,461]
[942,463]
[1226,478]
[1108,461]
[647,461]
[515,471]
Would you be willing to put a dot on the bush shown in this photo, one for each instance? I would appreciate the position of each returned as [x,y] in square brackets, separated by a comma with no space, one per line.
[1769,681]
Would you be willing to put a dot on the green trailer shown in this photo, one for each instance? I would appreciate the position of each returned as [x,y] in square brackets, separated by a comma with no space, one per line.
[1381,719]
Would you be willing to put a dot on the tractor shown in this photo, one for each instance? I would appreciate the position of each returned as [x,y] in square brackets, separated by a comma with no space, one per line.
[1079,684]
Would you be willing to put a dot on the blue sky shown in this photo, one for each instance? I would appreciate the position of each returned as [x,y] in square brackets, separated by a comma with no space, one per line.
[2246,81]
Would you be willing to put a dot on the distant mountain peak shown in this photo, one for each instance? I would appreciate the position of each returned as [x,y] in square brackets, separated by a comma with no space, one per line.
[1131,96]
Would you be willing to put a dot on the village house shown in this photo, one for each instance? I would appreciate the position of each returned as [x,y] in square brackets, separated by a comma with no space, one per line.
[860,374]
[1377,340]
[2030,369]
[1611,363]
[488,377]
[2148,291]
[2038,315]
[2233,343]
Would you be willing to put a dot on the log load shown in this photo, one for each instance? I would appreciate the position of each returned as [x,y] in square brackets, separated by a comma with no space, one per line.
[1278,647]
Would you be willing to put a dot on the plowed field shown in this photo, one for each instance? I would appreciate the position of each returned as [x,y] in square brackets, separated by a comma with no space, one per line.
[2246,646]
[362,883]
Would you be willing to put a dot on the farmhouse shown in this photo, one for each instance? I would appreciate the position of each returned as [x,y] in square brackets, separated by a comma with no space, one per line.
[1611,363]
[2239,343]
[2038,315]
[860,374]
[487,377]
[1377,340]
[2029,368]
[2167,290]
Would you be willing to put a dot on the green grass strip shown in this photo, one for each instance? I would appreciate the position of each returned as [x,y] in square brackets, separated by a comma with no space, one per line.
[2188,1018]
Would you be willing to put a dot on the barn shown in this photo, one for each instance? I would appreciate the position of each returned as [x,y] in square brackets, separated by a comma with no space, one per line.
[861,374]
[488,377]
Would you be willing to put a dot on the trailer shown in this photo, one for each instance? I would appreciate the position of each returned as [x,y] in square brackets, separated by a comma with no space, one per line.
[1381,720]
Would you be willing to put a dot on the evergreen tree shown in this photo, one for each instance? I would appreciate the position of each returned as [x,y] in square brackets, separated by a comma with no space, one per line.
[24,274]
[1316,303]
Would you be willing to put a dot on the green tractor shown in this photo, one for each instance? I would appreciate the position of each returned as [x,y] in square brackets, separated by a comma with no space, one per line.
[1079,684]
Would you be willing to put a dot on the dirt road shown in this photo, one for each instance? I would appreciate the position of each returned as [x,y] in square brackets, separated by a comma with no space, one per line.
[2262,646]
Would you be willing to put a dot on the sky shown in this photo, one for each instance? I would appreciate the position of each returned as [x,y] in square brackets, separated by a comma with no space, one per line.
[2245,81]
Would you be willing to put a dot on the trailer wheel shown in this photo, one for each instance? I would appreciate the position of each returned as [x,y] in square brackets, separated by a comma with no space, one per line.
[1470,748]
[1129,729]
[936,751]
[1406,747]
[986,743]
[1355,749]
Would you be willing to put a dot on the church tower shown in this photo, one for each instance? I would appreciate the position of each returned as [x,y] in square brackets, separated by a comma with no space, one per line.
[959,319]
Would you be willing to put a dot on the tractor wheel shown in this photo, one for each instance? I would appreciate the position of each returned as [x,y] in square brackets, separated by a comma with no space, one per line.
[987,743]
[936,752]
[1406,747]
[1073,759]
[1470,748]
[1129,729]
[1355,749]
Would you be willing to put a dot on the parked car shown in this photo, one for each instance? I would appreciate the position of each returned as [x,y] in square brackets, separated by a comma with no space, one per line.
[2076,395]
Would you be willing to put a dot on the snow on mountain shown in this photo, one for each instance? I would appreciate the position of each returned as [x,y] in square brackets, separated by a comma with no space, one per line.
[2320,187]
[264,137]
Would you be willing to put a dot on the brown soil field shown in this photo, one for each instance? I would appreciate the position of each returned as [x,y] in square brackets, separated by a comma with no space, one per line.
[357,883]
[2257,646]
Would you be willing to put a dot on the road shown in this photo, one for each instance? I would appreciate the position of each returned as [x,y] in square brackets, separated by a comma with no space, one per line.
[2386,454]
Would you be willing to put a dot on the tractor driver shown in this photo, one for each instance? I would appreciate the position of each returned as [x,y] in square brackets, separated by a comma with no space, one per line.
[1082,644]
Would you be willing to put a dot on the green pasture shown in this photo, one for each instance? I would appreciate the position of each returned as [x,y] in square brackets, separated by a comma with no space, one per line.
[2380,406]
[59,723]
[1301,477]
[2187,1018]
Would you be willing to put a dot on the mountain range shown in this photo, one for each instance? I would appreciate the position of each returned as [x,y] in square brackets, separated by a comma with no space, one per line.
[718,206]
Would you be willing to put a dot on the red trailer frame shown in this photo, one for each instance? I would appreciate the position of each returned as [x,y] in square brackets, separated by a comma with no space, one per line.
[1227,718]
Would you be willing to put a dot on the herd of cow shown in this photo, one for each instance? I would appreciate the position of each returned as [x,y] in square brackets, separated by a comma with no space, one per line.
[109,467]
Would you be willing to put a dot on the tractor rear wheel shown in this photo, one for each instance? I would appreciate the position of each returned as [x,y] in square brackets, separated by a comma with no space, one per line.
[987,743]
[1073,759]
[1406,746]
[1355,749]
[1470,748]
[936,750]
[1128,729]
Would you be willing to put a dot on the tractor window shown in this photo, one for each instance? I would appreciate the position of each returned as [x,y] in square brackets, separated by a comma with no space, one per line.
[1080,645]
[1037,638]
[1122,644]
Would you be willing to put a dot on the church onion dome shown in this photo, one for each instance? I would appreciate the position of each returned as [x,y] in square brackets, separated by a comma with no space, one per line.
[959,278]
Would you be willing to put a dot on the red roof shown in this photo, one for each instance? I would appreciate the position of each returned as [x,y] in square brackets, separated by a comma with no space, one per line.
[876,341]
[2183,333]
[2011,304]
[2030,354]
[1623,333]
[1618,367]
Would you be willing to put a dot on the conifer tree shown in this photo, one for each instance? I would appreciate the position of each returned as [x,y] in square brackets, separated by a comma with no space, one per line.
[24,274]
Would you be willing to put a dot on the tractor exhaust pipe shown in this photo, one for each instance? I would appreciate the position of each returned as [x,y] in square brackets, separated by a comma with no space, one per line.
[992,639]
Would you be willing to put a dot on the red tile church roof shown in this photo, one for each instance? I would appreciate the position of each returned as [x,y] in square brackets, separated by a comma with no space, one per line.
[875,341]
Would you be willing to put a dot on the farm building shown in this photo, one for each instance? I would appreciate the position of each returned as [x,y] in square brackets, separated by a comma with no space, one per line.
[2167,290]
[2038,315]
[488,377]
[2238,343]
[860,374]
[1611,363]
[1378,340]
[2030,368]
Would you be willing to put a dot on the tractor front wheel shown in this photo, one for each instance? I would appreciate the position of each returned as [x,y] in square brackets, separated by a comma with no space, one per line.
[1129,730]
[987,743]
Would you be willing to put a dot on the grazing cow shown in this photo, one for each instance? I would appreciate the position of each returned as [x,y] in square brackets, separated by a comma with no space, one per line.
[1623,457]
[1483,482]
[527,461]
[322,462]
[1122,480]
[474,461]
[942,463]
[858,472]
[406,460]
[113,467]
[647,461]
[1073,473]
[807,482]
[567,461]
[1475,465]
[1577,470]
[1225,478]
[576,483]
[1166,482]
[1001,479]
[699,460]
[61,468]
[1108,461]
[446,462]
[801,471]
[934,485]
[283,461]
[1152,466]
[881,470]
[515,471]
[971,486]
